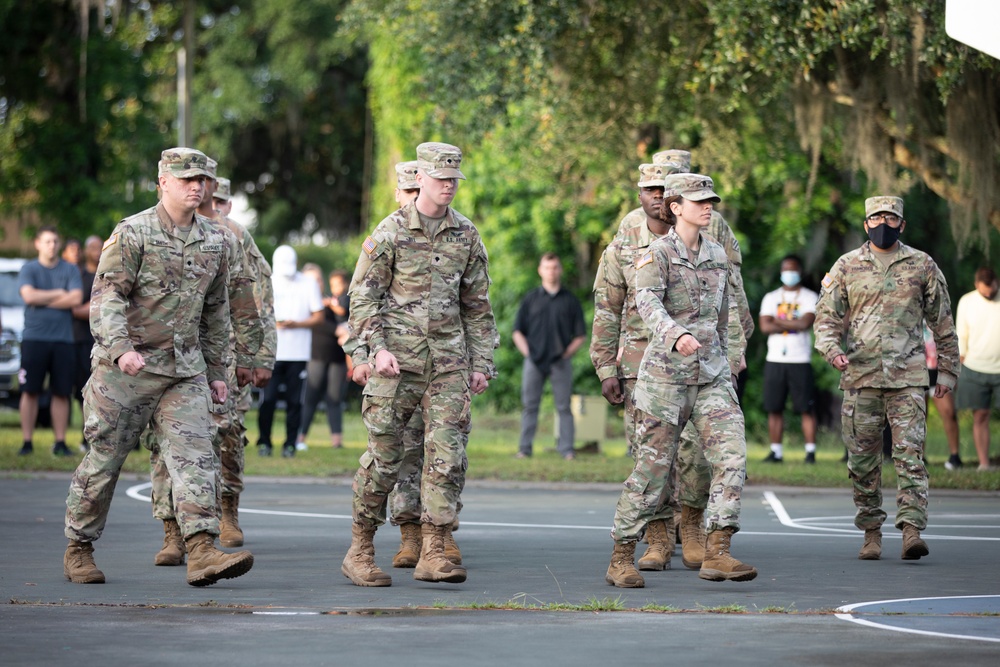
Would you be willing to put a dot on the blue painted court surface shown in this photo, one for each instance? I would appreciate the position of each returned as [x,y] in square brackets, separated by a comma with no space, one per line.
[525,545]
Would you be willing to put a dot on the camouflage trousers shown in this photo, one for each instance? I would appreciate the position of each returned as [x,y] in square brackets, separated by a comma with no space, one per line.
[404,501]
[864,416]
[228,448]
[116,409]
[389,403]
[692,474]
[718,422]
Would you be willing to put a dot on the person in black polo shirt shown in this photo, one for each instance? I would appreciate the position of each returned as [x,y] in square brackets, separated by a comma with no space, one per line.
[548,331]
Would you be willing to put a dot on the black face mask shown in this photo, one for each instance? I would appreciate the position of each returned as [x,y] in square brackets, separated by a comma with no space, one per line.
[883,236]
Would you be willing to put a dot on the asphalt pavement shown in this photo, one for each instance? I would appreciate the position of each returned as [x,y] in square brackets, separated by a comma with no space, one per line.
[525,545]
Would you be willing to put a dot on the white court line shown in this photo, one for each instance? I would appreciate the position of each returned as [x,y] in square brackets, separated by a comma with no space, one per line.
[135,492]
[844,614]
[785,519]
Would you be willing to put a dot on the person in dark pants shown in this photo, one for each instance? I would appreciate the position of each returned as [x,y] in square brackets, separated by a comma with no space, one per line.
[548,331]
[83,339]
[50,288]
[298,307]
[326,372]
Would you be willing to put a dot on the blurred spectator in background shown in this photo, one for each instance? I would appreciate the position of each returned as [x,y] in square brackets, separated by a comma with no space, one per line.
[326,372]
[945,405]
[71,251]
[298,306]
[82,338]
[787,316]
[977,323]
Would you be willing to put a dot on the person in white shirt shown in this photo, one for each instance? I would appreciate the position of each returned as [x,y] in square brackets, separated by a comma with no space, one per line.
[787,315]
[977,321]
[298,306]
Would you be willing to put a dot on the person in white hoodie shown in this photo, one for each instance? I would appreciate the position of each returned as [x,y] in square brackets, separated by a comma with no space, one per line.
[298,306]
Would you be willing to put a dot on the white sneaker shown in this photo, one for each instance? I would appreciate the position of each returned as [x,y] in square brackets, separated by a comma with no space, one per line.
[301,446]
[986,468]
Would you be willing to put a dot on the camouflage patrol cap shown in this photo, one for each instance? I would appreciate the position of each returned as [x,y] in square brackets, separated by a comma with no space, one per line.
[406,175]
[223,189]
[439,160]
[693,187]
[183,163]
[677,160]
[651,175]
[883,204]
[212,169]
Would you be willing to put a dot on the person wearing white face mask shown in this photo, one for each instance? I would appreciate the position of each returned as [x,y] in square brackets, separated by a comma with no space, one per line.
[298,306]
[787,315]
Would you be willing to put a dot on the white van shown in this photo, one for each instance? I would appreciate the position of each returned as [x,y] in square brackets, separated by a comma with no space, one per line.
[12,323]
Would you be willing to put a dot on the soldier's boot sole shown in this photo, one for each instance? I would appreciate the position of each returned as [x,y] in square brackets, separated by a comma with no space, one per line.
[236,566]
[455,575]
[710,574]
[385,580]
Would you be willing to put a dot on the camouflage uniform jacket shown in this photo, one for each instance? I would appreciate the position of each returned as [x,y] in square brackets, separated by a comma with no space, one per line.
[675,297]
[263,296]
[876,319]
[425,298]
[163,297]
[616,320]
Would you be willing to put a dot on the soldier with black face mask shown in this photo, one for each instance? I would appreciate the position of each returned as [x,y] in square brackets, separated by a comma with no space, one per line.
[869,325]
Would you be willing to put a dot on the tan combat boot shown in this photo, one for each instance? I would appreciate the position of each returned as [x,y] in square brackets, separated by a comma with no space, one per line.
[451,551]
[78,564]
[230,534]
[657,556]
[434,564]
[172,552]
[359,563]
[913,546]
[872,548]
[207,565]
[621,571]
[718,564]
[692,537]
[409,546]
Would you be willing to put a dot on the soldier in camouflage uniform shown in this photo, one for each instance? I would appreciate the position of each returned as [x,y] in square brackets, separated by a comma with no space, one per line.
[620,338]
[687,373]
[404,501]
[869,326]
[420,304]
[159,358]
[247,317]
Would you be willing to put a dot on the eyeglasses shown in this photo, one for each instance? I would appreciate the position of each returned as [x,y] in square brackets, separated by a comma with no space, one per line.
[890,219]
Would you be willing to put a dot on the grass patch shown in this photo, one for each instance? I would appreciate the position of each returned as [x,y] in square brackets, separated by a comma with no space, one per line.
[491,449]
[725,609]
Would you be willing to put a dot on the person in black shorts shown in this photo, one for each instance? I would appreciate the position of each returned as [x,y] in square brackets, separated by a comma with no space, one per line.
[787,315]
[50,288]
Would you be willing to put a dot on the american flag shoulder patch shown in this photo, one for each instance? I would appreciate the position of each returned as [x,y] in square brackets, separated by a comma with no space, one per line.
[644,259]
[110,242]
[369,245]
[827,280]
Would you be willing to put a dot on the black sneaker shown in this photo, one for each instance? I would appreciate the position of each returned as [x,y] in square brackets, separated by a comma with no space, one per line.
[954,462]
[60,449]
[288,451]
[263,449]
[810,457]
[26,448]
[773,458]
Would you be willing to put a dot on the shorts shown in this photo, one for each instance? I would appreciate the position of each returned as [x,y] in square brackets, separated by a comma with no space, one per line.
[782,379]
[977,391]
[44,357]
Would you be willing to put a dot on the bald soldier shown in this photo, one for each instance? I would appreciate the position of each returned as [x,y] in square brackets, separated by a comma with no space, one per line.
[420,304]
[160,318]
[869,326]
